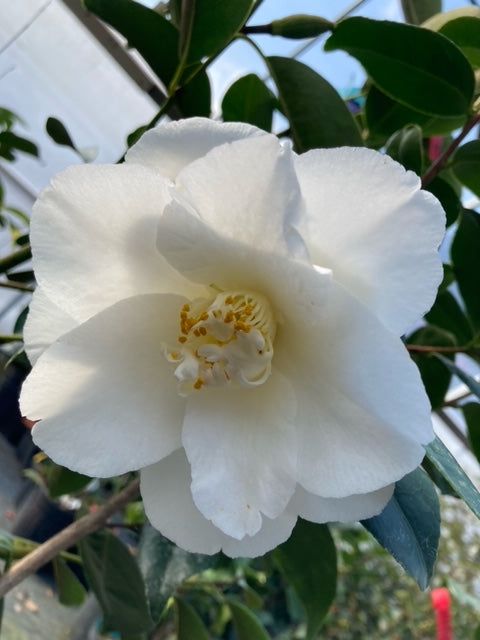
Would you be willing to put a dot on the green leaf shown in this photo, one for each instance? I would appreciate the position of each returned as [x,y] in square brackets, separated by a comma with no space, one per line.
[71,591]
[164,566]
[58,133]
[465,254]
[447,314]
[114,577]
[10,140]
[438,21]
[442,459]
[61,481]
[435,376]
[417,11]
[215,23]
[449,198]
[466,165]
[300,26]
[249,100]
[409,526]
[471,383]
[406,147]
[308,561]
[417,67]
[385,116]
[154,37]
[471,413]
[188,622]
[194,98]
[317,115]
[465,32]
[247,626]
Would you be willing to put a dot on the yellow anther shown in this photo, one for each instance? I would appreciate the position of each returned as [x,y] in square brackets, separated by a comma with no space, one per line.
[182,339]
[199,383]
[186,307]
[203,331]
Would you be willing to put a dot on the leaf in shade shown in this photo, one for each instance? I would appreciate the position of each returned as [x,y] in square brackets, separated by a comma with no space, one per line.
[409,526]
[71,591]
[465,252]
[449,198]
[471,383]
[61,481]
[317,115]
[308,561]
[247,625]
[471,413]
[188,622]
[249,100]
[405,146]
[466,165]
[417,67]
[164,566]
[448,315]
[465,32]
[194,98]
[442,459]
[10,140]
[114,577]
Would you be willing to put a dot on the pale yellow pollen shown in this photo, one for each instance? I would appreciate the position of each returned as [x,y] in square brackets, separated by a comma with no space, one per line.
[199,383]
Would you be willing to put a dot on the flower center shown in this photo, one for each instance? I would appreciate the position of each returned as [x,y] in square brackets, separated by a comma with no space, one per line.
[226,341]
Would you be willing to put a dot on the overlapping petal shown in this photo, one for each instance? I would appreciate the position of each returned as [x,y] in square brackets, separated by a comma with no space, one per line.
[104,393]
[368,221]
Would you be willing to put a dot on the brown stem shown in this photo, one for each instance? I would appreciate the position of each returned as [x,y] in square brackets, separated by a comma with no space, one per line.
[18,286]
[435,168]
[17,257]
[417,348]
[66,538]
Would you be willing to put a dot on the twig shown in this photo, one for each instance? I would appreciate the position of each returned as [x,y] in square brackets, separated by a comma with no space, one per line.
[66,538]
[18,286]
[17,257]
[420,348]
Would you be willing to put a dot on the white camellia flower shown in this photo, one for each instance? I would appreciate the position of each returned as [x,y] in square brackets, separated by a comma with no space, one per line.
[225,315]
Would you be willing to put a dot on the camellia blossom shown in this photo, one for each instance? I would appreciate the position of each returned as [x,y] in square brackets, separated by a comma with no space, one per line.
[225,315]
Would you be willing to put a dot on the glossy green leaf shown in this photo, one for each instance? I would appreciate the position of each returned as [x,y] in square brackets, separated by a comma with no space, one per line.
[437,21]
[449,198]
[435,376]
[308,561]
[406,147]
[317,115]
[71,591]
[471,383]
[466,165]
[154,37]
[385,116]
[58,133]
[249,100]
[194,98]
[114,577]
[300,26]
[247,625]
[448,315]
[442,459]
[471,413]
[214,25]
[465,32]
[188,622]
[11,140]
[164,566]
[61,481]
[465,252]
[417,67]
[409,526]
[417,11]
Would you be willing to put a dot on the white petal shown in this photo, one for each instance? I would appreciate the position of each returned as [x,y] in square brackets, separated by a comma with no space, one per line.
[93,237]
[104,393]
[170,147]
[363,413]
[170,508]
[242,449]
[348,509]
[247,191]
[45,323]
[368,221]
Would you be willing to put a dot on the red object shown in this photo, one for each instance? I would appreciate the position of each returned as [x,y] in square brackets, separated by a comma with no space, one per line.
[441,603]
[435,145]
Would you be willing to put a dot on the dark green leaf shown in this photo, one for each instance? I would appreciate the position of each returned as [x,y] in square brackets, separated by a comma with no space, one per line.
[20,321]
[61,481]
[435,376]
[10,140]
[385,116]
[300,26]
[447,314]
[465,253]
[437,21]
[71,591]
[471,413]
[471,383]
[247,625]
[409,526]
[417,11]
[189,623]
[465,32]
[215,23]
[194,98]
[317,115]
[466,165]
[154,37]
[58,133]
[114,577]
[417,67]
[249,100]
[406,147]
[21,276]
[308,561]
[449,199]
[442,459]
[164,566]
